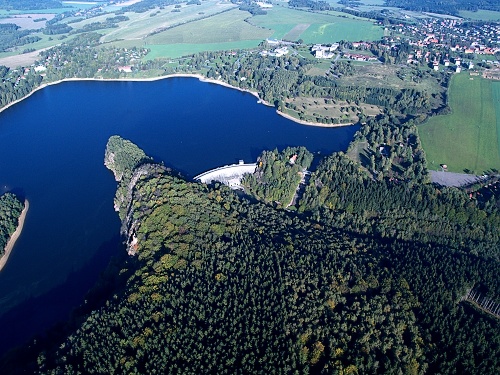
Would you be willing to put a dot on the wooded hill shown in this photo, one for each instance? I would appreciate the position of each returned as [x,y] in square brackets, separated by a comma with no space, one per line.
[368,279]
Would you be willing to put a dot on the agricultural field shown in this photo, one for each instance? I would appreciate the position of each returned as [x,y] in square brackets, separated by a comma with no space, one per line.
[481,15]
[221,28]
[140,25]
[316,27]
[179,30]
[468,138]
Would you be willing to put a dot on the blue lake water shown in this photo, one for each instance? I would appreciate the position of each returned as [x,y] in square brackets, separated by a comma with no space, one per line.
[52,149]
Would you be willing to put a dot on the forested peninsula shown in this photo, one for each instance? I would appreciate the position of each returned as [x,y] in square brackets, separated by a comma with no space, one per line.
[12,211]
[364,276]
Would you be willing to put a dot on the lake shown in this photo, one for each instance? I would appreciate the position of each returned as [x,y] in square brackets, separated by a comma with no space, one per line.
[52,150]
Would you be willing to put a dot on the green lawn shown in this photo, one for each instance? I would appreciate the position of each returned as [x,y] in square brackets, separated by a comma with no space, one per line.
[324,28]
[468,138]
[483,15]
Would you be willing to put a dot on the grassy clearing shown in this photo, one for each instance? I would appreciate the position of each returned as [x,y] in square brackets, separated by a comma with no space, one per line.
[179,50]
[358,153]
[483,15]
[222,28]
[320,68]
[324,28]
[468,138]
[380,75]
[326,108]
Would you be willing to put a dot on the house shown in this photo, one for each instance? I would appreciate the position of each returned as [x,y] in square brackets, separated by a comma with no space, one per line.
[324,52]
[125,69]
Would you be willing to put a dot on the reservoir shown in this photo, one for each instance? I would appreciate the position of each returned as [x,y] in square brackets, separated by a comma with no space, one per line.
[52,150]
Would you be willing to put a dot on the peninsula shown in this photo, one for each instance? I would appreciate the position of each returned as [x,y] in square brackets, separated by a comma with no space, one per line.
[225,283]
[11,211]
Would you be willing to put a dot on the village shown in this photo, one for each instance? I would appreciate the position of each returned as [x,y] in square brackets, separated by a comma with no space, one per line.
[440,43]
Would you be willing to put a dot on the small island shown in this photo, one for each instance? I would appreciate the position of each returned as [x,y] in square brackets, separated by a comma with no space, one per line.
[12,216]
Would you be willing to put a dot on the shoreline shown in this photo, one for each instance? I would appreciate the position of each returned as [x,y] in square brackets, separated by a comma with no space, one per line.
[200,77]
[13,238]
[308,123]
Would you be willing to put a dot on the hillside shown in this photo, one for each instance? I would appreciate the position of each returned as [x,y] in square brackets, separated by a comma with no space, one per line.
[220,284]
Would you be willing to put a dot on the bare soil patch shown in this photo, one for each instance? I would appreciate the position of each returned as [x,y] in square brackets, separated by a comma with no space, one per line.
[294,34]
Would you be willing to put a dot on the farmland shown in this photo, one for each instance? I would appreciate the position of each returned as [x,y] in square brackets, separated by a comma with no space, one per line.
[140,25]
[178,30]
[467,139]
[228,30]
[323,28]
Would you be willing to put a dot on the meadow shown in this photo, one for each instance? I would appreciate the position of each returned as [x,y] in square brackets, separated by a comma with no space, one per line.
[495,88]
[140,25]
[225,27]
[323,27]
[468,138]
[375,74]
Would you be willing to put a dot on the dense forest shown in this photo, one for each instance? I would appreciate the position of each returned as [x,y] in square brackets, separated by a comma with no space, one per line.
[278,175]
[10,210]
[371,277]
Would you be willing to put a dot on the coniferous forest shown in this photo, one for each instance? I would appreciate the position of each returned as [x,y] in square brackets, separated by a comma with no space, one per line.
[365,276]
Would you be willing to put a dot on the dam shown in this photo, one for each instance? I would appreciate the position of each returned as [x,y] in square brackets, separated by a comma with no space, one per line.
[229,175]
